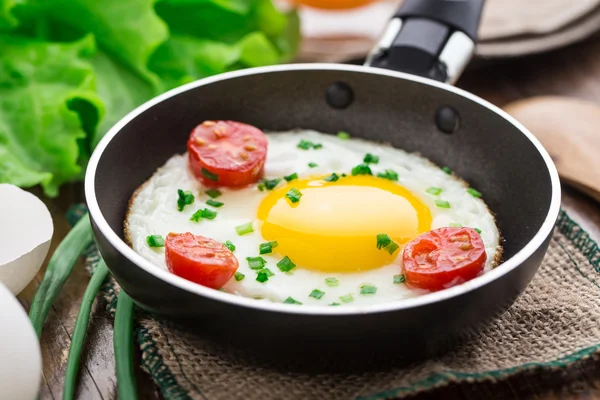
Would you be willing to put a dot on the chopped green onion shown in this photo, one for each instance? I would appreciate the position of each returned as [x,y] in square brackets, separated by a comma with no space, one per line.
[285,264]
[447,170]
[291,177]
[268,184]
[334,304]
[262,277]
[477,230]
[383,240]
[388,174]
[332,178]
[455,225]
[266,248]
[155,241]
[361,169]
[209,175]
[267,271]
[434,191]
[312,165]
[239,276]
[184,198]
[368,289]
[213,193]
[371,159]
[474,192]
[347,298]
[442,204]
[343,135]
[343,175]
[206,213]
[214,203]
[293,195]
[229,245]
[316,294]
[332,282]
[399,279]
[307,144]
[256,262]
[392,247]
[291,300]
[244,229]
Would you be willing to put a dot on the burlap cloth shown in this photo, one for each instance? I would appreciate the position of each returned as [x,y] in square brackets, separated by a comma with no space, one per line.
[555,322]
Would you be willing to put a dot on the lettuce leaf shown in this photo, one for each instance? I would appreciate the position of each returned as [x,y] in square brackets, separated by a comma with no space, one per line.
[70,69]
[39,132]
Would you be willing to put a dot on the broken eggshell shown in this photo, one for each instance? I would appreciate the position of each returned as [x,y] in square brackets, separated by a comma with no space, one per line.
[25,233]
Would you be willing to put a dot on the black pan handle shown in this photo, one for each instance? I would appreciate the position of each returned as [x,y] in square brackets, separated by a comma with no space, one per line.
[430,38]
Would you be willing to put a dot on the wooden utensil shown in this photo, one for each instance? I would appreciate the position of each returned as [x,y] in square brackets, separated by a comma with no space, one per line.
[570,130]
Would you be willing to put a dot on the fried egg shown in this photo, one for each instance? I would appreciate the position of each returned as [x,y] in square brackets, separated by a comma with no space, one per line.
[329,234]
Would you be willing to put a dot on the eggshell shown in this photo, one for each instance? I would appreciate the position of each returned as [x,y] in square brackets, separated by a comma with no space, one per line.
[25,233]
[20,357]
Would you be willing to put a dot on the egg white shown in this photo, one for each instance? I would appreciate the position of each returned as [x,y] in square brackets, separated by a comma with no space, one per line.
[153,210]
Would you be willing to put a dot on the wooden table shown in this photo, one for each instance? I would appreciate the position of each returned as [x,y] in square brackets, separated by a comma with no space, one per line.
[574,71]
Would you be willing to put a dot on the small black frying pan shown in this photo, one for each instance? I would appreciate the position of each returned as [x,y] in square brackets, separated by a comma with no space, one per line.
[430,42]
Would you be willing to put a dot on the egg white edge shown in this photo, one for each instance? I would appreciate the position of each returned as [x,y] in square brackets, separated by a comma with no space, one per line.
[504,268]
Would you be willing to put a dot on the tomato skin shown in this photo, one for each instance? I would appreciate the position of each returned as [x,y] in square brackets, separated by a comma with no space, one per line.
[233,152]
[199,259]
[443,258]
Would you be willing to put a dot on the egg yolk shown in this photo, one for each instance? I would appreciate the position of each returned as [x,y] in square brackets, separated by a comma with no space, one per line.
[334,226]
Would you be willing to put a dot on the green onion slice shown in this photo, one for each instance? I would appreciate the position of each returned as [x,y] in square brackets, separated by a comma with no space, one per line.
[332,178]
[347,298]
[388,174]
[266,248]
[209,175]
[361,169]
[316,294]
[214,203]
[155,241]
[442,204]
[285,264]
[455,225]
[473,192]
[239,276]
[244,229]
[392,247]
[213,193]
[343,135]
[434,191]
[256,263]
[312,165]
[262,277]
[383,240]
[447,170]
[371,159]
[332,282]
[368,289]
[399,279]
[291,177]
[291,300]
[229,245]
[293,195]
[184,198]
[477,230]
[334,304]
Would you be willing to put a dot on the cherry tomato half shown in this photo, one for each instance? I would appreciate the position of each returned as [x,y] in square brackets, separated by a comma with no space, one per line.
[227,153]
[199,259]
[443,257]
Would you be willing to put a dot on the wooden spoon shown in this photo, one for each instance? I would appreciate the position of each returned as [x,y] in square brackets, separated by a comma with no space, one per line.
[570,130]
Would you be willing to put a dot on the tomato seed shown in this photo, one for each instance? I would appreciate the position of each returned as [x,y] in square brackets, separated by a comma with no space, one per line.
[209,123]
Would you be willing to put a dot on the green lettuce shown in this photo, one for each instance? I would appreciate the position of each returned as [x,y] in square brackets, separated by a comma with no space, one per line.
[69,69]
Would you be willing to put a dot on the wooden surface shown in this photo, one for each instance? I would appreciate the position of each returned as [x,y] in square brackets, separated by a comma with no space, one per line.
[572,72]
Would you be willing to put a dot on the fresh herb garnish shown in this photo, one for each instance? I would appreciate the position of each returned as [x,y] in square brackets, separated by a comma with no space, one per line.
[239,276]
[268,184]
[256,262]
[347,298]
[291,177]
[332,282]
[388,174]
[343,135]
[291,300]
[399,279]
[371,159]
[184,198]
[307,144]
[368,289]
[392,247]
[385,242]
[262,277]
[214,203]
[455,225]
[203,213]
[213,193]
[434,191]
[316,294]
[334,304]
[293,195]
[229,245]
[312,165]
[442,204]
[209,175]
[447,170]
[361,169]
[267,271]
[477,230]
[285,264]
[266,248]
[474,192]
[244,229]
[155,241]
[332,178]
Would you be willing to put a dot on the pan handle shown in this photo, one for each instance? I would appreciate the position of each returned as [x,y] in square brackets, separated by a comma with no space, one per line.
[430,38]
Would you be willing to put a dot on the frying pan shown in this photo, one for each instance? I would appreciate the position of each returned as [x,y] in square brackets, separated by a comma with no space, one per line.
[417,111]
